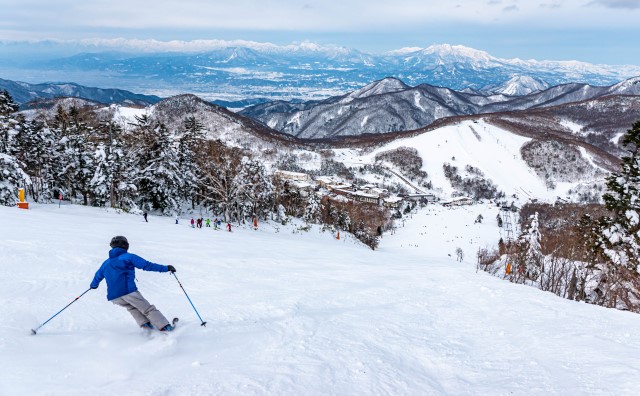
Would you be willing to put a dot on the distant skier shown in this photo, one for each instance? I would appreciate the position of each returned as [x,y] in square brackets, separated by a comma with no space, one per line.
[199,222]
[193,223]
[208,222]
[229,227]
[119,271]
[177,218]
[255,223]
[145,216]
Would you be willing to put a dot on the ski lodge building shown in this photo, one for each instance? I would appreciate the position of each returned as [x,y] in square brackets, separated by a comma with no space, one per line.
[459,201]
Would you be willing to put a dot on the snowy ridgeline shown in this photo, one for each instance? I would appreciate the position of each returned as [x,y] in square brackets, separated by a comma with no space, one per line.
[296,313]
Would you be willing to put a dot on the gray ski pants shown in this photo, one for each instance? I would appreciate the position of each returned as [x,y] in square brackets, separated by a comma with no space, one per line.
[141,310]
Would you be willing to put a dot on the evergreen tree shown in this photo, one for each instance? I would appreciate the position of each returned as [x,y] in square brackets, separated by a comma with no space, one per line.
[36,149]
[189,150]
[12,175]
[8,122]
[312,210]
[113,181]
[362,233]
[121,162]
[7,105]
[159,181]
[76,158]
[336,216]
[102,180]
[529,256]
[620,233]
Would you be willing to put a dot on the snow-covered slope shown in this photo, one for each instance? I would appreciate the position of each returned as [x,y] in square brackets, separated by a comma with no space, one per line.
[495,151]
[298,313]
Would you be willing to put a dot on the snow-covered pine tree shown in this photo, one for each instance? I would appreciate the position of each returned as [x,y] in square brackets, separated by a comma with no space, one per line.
[312,210]
[122,163]
[102,181]
[113,181]
[36,149]
[529,257]
[76,157]
[159,180]
[620,233]
[189,149]
[8,123]
[339,218]
[362,233]
[12,175]
[7,105]
[281,214]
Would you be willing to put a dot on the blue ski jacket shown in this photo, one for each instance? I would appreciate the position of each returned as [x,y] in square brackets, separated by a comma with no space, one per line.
[119,271]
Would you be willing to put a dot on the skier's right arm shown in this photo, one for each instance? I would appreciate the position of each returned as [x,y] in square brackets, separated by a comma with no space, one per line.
[97,278]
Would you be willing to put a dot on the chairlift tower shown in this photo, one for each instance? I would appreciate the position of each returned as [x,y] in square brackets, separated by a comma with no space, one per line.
[507,224]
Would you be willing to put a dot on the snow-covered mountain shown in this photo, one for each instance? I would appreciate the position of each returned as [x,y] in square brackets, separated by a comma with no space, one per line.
[24,92]
[519,86]
[585,134]
[243,70]
[583,140]
[389,105]
[220,123]
[446,54]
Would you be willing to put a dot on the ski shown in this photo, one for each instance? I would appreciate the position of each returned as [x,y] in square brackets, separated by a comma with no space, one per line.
[173,324]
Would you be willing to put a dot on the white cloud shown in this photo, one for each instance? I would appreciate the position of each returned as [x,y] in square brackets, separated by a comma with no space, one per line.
[624,4]
[72,19]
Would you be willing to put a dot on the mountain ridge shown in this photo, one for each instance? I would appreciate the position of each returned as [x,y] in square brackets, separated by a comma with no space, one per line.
[23,93]
[235,70]
[369,110]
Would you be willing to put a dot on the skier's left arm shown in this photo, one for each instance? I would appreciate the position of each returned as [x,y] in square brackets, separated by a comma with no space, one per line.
[145,265]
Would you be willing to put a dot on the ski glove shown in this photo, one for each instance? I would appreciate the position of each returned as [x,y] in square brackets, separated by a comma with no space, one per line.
[94,287]
[171,268]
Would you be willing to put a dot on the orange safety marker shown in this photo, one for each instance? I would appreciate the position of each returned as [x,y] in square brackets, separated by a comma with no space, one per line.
[22,204]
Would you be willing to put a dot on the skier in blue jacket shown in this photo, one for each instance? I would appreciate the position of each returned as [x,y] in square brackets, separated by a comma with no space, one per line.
[119,271]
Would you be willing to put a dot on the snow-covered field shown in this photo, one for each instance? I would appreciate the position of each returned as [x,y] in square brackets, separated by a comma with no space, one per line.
[294,313]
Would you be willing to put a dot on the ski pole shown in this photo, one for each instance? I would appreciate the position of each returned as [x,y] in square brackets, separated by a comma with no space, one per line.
[33,331]
[194,308]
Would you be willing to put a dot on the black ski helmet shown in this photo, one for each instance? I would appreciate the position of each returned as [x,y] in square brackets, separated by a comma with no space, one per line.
[120,242]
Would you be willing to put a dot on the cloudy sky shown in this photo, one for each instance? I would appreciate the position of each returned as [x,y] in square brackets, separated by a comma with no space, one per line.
[598,31]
